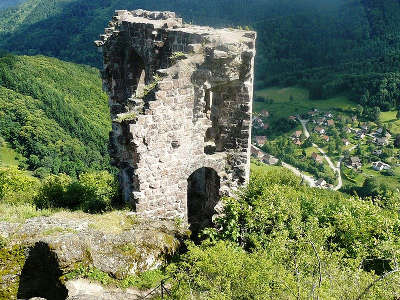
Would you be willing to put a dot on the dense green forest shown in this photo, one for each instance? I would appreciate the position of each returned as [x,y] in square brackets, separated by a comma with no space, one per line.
[55,114]
[8,3]
[352,50]
[327,46]
[66,29]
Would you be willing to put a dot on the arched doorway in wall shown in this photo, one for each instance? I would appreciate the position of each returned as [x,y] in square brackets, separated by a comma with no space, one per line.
[202,197]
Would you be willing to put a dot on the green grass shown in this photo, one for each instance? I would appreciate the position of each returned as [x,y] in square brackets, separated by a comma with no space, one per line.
[389,117]
[8,157]
[392,181]
[310,151]
[284,107]
[19,213]
[258,167]
[367,171]
[146,280]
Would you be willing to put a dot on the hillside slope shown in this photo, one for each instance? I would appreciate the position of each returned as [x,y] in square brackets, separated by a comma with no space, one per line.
[322,45]
[66,28]
[9,3]
[54,113]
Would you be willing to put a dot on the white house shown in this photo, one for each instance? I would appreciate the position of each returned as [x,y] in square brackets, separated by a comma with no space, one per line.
[379,166]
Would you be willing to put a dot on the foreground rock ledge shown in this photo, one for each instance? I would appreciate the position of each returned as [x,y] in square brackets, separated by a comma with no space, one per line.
[41,250]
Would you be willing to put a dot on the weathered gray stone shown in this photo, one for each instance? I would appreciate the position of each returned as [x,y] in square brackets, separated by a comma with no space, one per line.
[81,289]
[116,243]
[202,100]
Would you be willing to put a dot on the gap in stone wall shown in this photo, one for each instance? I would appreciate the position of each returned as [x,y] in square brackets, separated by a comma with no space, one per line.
[202,197]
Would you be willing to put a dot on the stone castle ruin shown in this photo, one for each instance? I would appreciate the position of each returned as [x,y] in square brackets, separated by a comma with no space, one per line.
[181,102]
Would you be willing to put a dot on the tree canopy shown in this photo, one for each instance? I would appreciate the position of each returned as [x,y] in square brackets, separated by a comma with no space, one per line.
[55,114]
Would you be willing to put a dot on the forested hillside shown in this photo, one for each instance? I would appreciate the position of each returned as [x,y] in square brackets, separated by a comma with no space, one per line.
[67,28]
[8,3]
[353,49]
[326,46]
[55,114]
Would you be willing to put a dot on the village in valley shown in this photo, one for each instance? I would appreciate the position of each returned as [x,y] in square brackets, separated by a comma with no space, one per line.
[329,149]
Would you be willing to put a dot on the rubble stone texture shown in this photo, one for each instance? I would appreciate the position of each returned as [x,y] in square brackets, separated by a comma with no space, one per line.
[180,97]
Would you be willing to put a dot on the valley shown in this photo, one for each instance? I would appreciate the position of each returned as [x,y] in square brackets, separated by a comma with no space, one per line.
[318,218]
[334,126]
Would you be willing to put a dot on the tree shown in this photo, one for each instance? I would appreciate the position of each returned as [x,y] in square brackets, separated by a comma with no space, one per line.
[307,143]
[331,148]
[359,110]
[338,145]
[17,185]
[397,141]
[384,129]
[376,113]
[359,150]
[373,187]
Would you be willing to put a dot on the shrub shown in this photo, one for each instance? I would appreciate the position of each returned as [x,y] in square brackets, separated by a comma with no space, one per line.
[19,213]
[223,271]
[281,240]
[17,186]
[54,192]
[93,192]
[99,189]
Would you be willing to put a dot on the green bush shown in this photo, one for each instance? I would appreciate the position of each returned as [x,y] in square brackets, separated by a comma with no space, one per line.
[17,186]
[224,271]
[93,192]
[282,240]
[99,189]
[55,192]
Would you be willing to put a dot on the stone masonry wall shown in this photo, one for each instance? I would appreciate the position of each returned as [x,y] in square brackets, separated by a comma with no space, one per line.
[180,98]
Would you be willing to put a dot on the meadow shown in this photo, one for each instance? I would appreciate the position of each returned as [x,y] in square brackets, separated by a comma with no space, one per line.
[8,156]
[295,100]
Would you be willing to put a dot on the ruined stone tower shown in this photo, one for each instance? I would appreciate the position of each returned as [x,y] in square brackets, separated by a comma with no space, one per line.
[180,100]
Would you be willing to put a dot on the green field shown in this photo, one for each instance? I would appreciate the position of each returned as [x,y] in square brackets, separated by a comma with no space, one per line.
[390,117]
[367,171]
[8,157]
[283,106]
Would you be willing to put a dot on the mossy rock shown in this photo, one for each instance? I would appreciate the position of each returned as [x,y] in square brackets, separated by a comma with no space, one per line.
[11,263]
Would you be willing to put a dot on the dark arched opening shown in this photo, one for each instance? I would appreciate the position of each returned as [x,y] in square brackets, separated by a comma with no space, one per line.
[128,77]
[135,74]
[40,276]
[202,197]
